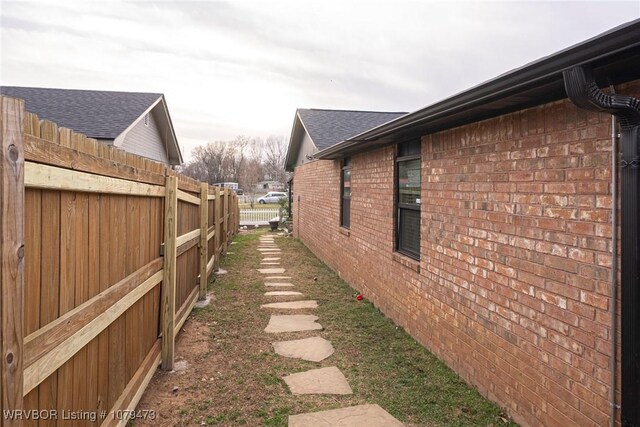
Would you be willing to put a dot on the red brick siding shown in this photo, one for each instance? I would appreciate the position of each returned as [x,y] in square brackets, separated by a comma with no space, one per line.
[512,289]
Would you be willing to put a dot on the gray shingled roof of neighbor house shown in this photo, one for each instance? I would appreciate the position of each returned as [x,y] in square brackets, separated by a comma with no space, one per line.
[97,114]
[328,127]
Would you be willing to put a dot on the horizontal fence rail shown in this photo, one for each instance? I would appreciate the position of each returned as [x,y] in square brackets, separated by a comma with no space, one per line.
[104,255]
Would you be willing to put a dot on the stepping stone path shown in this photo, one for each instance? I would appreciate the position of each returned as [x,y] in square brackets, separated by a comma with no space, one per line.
[281,293]
[328,380]
[314,349]
[292,323]
[278,285]
[293,305]
[318,381]
[353,416]
[271,270]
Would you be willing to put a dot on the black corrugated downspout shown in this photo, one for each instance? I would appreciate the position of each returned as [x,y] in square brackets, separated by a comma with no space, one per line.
[613,303]
[584,92]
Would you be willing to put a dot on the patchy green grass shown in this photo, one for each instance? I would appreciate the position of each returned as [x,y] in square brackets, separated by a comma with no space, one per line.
[239,380]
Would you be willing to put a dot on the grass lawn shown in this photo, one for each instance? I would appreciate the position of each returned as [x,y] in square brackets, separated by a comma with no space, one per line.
[235,378]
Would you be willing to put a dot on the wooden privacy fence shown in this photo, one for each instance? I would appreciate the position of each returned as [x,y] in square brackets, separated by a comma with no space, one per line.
[104,254]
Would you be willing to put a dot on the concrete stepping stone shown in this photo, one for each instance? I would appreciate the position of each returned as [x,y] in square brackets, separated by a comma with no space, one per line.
[353,416]
[271,259]
[278,278]
[318,381]
[293,305]
[279,284]
[281,293]
[269,263]
[292,323]
[314,349]
[220,272]
[269,249]
[271,270]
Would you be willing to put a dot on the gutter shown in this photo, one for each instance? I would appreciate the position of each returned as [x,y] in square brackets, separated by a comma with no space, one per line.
[544,74]
[584,93]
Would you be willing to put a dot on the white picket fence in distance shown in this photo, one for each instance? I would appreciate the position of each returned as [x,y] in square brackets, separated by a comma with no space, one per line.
[257,216]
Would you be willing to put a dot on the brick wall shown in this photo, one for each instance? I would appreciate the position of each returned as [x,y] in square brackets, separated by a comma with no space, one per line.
[512,290]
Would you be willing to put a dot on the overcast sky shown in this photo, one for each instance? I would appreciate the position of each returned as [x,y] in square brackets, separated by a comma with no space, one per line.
[243,67]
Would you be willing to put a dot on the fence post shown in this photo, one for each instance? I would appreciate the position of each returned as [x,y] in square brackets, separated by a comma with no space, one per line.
[204,243]
[12,250]
[169,278]
[226,220]
[216,215]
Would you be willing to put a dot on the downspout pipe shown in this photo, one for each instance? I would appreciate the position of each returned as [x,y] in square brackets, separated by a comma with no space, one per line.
[584,92]
[613,303]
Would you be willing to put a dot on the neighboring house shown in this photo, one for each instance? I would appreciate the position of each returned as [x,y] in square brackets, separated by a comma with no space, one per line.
[482,225]
[135,122]
[269,186]
[316,129]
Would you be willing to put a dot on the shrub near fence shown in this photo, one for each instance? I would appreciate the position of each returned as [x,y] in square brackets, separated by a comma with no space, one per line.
[104,254]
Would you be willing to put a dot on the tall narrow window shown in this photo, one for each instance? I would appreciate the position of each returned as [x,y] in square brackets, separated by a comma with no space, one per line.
[345,195]
[408,199]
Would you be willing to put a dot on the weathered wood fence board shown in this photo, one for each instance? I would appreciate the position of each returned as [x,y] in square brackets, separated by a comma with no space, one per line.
[103,258]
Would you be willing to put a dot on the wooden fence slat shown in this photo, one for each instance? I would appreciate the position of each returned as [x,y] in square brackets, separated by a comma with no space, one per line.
[204,239]
[54,178]
[12,252]
[169,279]
[133,391]
[183,312]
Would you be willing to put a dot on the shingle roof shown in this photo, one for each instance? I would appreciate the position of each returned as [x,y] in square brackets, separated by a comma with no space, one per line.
[328,127]
[97,114]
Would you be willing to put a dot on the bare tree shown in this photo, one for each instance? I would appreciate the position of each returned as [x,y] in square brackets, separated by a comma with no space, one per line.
[252,170]
[275,152]
[219,161]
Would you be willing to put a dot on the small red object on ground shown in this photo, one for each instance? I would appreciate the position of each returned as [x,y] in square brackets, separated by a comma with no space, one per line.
[359,297]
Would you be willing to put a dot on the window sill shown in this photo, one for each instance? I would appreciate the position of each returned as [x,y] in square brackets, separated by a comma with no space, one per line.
[408,262]
[344,231]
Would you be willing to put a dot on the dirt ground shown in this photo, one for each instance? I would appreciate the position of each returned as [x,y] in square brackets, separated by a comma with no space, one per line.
[227,373]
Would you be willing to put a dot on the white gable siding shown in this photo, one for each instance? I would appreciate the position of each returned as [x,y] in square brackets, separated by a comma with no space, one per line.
[146,141]
[306,148]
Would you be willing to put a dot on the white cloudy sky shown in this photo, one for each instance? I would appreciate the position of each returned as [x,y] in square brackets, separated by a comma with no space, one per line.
[243,67]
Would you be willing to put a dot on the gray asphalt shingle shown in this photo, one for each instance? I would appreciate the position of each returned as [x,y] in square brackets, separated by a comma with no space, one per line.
[328,127]
[97,114]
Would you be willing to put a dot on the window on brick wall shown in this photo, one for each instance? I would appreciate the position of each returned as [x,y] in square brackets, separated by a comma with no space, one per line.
[345,194]
[408,199]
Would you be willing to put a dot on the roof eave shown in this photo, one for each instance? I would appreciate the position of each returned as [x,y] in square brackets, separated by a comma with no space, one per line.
[545,73]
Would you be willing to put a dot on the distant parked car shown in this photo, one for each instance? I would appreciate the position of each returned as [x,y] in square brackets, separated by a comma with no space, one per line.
[272,197]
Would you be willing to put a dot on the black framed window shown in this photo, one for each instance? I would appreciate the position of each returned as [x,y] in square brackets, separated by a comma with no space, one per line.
[345,194]
[408,199]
